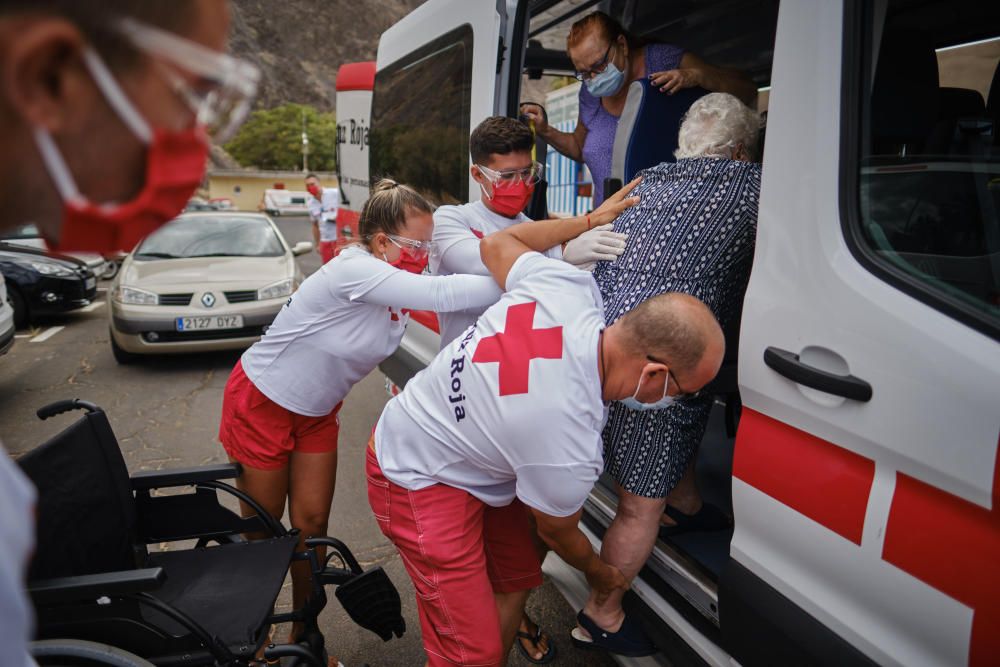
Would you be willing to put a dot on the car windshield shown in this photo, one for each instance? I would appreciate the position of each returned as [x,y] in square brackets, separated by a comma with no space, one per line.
[212,236]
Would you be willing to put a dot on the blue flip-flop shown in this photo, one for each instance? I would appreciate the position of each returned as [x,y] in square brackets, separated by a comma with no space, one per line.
[630,640]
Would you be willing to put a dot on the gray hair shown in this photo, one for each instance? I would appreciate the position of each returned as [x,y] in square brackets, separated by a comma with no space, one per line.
[715,125]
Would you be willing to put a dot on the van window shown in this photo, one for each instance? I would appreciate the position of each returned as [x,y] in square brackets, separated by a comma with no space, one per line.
[929,166]
[420,119]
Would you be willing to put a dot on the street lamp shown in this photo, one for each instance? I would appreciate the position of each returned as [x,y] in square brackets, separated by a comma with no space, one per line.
[305,144]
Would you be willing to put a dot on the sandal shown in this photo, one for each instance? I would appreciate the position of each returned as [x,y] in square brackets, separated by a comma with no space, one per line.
[707,519]
[535,639]
[630,640]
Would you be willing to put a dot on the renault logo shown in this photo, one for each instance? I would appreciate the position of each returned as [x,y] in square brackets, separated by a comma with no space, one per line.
[208,299]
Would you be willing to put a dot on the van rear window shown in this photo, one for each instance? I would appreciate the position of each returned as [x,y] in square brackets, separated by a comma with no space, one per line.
[421,119]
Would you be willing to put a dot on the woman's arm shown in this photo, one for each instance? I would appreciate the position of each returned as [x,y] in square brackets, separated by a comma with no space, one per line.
[569,144]
[443,294]
[693,71]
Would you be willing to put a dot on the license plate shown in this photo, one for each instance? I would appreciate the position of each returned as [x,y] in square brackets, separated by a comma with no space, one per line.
[90,283]
[209,322]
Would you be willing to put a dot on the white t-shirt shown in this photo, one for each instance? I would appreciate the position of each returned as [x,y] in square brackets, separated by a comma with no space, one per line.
[513,407]
[457,230]
[325,213]
[345,319]
[17,541]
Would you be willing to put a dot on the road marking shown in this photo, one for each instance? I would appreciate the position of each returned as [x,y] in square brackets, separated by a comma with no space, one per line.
[102,289]
[92,307]
[47,334]
[22,335]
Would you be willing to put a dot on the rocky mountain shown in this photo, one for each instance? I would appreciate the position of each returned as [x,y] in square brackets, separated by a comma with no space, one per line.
[299,44]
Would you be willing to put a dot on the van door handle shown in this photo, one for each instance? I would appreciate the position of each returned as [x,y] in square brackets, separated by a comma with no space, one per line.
[787,364]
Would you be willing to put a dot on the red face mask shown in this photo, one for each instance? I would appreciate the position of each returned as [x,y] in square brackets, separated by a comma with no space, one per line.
[175,165]
[509,200]
[314,190]
[408,262]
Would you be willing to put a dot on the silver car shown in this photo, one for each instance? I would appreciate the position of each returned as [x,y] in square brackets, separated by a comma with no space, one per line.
[204,281]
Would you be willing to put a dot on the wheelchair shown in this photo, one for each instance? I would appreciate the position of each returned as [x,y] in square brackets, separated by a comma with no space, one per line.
[95,580]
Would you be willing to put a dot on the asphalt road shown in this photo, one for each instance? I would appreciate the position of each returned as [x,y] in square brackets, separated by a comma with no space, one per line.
[165,413]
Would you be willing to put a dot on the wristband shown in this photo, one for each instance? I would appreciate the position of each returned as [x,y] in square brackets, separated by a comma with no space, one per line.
[588,222]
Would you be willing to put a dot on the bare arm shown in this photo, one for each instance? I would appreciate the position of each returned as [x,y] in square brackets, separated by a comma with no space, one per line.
[563,535]
[499,251]
[569,144]
[693,71]
[315,231]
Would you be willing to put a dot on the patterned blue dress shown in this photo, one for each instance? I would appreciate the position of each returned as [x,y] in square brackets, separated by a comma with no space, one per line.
[692,231]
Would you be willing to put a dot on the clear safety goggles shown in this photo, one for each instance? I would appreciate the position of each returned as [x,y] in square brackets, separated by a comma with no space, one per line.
[528,175]
[225,85]
[419,249]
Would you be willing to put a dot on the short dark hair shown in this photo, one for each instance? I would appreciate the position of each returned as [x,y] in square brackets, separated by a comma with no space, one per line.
[500,135]
[670,327]
[95,20]
[310,175]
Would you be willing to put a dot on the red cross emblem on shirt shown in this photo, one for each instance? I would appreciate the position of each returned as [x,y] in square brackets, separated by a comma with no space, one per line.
[517,345]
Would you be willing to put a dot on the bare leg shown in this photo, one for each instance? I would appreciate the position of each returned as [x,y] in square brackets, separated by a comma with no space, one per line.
[684,496]
[310,494]
[528,626]
[627,544]
[267,487]
[510,606]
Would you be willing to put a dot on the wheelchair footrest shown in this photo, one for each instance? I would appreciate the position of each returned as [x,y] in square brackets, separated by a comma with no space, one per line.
[372,601]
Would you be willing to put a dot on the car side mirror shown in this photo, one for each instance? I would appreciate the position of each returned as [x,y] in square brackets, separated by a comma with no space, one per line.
[302,248]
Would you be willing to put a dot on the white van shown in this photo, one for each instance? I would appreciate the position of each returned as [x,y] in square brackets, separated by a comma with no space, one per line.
[285,202]
[863,474]
[354,107]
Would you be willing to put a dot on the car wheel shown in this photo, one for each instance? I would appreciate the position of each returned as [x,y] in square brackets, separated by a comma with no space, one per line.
[121,356]
[21,314]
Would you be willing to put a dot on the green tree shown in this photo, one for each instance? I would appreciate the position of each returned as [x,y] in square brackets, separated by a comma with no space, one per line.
[272,138]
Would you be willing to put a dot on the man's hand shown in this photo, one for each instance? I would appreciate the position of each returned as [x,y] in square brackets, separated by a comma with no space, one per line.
[672,80]
[613,206]
[600,244]
[604,580]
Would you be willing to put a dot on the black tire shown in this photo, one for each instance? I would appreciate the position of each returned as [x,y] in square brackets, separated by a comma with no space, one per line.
[123,357]
[79,652]
[22,316]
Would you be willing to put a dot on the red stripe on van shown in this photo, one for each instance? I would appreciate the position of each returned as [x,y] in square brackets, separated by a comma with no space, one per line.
[428,318]
[817,478]
[356,76]
[954,546]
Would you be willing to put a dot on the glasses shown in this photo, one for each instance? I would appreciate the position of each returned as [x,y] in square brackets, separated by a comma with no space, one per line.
[226,85]
[528,175]
[596,69]
[681,395]
[419,249]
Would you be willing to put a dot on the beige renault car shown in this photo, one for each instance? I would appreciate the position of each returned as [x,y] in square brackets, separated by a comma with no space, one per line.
[204,281]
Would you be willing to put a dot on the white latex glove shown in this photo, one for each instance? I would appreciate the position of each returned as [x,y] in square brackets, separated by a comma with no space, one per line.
[597,244]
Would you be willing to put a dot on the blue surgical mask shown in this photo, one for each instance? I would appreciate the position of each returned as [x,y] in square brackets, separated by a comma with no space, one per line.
[607,82]
[632,403]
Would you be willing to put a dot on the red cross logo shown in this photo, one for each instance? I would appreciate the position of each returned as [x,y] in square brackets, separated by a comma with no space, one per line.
[517,345]
[478,234]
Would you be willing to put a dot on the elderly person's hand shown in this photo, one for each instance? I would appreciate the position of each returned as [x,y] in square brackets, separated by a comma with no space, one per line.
[672,80]
[599,244]
[535,114]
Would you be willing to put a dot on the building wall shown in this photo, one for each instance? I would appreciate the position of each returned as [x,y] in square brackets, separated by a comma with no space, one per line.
[246,188]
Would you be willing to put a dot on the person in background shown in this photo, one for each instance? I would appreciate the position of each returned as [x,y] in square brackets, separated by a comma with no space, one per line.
[703,248]
[99,101]
[323,204]
[281,403]
[500,148]
[492,432]
[607,59]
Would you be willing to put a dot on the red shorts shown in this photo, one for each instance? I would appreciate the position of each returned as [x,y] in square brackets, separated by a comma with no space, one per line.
[458,551]
[327,250]
[259,433]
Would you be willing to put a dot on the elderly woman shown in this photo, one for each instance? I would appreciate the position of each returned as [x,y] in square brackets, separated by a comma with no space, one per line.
[607,59]
[692,231]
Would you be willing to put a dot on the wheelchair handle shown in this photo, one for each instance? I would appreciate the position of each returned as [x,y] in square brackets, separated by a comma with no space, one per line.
[59,407]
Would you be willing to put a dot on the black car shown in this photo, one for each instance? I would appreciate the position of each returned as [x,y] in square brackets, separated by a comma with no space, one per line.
[41,283]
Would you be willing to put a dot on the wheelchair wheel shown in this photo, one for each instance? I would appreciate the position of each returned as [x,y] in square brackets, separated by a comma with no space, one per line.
[79,653]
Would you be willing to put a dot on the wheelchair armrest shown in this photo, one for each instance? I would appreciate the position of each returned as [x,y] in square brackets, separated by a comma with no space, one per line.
[156,479]
[92,586]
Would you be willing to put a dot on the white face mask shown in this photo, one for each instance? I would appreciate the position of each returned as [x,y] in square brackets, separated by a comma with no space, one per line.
[632,403]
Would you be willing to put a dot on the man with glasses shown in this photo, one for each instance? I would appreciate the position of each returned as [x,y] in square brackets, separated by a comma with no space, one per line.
[503,167]
[105,114]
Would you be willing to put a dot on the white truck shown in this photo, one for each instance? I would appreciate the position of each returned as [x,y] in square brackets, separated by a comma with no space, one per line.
[863,475]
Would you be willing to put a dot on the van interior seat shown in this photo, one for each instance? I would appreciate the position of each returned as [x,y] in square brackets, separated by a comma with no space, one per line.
[993,104]
[963,127]
[906,99]
[647,130]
